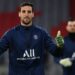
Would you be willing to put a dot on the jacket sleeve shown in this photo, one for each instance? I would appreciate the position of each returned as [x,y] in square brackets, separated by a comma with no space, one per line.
[4,42]
[51,46]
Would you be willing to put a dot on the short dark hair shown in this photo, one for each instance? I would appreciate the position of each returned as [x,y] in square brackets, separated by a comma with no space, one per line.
[71,19]
[26,4]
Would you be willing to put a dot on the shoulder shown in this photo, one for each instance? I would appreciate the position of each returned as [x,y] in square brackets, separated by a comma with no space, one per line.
[41,29]
[10,31]
[66,38]
[44,33]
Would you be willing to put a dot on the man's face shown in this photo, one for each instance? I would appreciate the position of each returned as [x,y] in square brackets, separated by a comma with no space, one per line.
[71,26]
[26,15]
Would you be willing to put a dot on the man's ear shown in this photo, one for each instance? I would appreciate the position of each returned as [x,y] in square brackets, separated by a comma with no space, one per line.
[19,14]
[66,27]
[33,15]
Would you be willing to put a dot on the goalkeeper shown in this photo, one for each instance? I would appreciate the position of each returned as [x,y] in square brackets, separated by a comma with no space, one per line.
[67,59]
[26,44]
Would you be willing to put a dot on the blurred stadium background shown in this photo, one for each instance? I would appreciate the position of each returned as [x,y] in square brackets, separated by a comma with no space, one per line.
[50,14]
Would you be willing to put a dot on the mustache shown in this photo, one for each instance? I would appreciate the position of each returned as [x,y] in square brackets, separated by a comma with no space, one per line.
[26,17]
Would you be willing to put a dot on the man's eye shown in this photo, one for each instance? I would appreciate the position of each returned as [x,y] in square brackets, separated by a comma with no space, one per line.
[29,11]
[23,11]
[74,25]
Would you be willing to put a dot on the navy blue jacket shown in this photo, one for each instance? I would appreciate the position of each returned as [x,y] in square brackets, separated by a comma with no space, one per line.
[68,51]
[26,47]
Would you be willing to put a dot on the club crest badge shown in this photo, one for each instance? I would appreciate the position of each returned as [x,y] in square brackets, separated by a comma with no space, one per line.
[35,37]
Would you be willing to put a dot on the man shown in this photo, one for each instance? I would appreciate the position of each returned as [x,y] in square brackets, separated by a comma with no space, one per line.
[67,59]
[26,43]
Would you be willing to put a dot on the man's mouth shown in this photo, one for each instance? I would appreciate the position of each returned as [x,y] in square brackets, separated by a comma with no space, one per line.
[26,17]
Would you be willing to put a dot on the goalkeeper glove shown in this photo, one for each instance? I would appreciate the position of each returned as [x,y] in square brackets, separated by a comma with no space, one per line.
[66,62]
[59,39]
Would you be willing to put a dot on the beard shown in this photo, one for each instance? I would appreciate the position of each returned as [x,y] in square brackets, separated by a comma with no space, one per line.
[26,21]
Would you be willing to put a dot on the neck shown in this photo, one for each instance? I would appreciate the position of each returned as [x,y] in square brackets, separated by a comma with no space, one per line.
[72,36]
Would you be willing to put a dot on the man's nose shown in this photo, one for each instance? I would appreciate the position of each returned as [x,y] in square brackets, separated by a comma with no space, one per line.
[26,13]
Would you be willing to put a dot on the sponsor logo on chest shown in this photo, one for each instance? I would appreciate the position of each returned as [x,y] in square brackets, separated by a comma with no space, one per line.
[29,55]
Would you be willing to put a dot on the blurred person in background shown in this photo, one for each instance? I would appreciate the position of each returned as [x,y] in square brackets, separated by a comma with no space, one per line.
[67,59]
